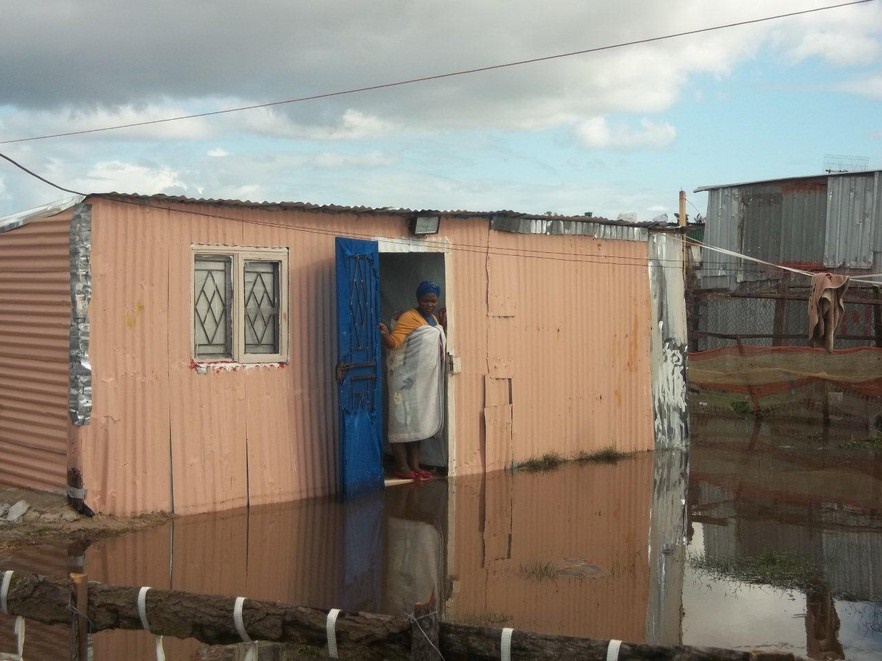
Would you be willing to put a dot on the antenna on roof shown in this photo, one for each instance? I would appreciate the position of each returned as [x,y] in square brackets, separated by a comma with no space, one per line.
[836,163]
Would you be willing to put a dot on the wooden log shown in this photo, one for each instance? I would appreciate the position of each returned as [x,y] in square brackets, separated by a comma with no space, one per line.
[209,619]
[459,641]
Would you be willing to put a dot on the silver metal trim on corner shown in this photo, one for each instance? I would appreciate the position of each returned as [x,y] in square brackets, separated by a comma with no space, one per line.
[668,342]
[80,373]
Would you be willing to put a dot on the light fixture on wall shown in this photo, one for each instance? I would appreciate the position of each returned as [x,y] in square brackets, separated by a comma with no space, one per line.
[425,225]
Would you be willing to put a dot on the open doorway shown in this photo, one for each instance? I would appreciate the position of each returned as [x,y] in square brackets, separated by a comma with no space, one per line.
[400,273]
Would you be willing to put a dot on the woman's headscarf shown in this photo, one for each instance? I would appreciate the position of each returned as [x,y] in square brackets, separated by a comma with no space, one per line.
[428,287]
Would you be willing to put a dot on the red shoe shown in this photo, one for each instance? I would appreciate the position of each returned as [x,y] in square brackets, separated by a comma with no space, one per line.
[401,475]
[423,475]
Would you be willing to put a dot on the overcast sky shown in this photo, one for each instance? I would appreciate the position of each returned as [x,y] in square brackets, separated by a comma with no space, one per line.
[611,132]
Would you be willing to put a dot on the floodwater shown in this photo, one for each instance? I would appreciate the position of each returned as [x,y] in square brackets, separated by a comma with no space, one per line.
[596,550]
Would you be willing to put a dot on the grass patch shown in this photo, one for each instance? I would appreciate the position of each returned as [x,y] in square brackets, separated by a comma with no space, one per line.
[539,571]
[874,442]
[741,407]
[608,455]
[787,571]
[547,462]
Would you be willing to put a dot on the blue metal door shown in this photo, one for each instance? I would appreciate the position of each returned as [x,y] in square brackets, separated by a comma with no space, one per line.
[358,367]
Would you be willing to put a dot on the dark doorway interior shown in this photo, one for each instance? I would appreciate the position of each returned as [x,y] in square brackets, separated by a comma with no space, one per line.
[400,273]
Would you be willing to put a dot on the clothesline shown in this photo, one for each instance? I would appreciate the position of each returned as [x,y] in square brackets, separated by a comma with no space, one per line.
[863,279]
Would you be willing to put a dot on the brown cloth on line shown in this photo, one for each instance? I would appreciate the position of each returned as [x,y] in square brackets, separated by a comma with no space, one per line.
[826,307]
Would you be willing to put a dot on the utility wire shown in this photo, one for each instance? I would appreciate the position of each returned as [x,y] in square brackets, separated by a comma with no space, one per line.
[502,251]
[440,76]
[34,174]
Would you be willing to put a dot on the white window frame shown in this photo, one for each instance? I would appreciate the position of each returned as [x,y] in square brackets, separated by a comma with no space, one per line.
[236,308]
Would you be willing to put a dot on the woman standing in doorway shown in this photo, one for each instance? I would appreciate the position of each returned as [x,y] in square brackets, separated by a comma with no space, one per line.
[417,347]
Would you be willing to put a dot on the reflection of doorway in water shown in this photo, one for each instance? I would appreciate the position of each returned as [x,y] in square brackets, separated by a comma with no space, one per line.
[415,542]
[400,273]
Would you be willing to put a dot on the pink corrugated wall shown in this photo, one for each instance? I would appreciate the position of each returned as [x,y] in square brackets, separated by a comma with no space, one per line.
[34,326]
[552,334]
[162,435]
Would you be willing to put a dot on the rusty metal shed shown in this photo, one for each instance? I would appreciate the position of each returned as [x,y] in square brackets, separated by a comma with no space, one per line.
[830,221]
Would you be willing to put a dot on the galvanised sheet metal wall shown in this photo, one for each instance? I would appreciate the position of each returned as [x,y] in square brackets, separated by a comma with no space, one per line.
[803,217]
[813,223]
[854,219]
[34,325]
[718,271]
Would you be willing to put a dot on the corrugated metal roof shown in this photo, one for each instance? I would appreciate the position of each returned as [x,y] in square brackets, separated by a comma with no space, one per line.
[551,223]
[385,211]
[823,175]
[8,223]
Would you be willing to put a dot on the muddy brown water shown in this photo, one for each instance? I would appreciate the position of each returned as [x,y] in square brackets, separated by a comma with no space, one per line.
[592,550]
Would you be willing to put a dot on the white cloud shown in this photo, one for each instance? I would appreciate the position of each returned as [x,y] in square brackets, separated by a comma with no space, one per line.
[294,58]
[52,84]
[251,192]
[338,160]
[73,119]
[870,86]
[121,177]
[598,133]
[840,37]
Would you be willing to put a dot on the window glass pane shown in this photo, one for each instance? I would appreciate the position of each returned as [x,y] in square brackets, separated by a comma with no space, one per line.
[261,307]
[212,296]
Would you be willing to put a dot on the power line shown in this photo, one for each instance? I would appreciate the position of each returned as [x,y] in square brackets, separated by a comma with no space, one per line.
[464,247]
[34,174]
[441,76]
[720,267]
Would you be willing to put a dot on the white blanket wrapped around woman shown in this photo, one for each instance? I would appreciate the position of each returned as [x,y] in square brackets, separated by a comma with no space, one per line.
[415,373]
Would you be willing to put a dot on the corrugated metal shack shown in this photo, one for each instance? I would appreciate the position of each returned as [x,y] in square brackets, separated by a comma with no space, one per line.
[566,335]
[830,222]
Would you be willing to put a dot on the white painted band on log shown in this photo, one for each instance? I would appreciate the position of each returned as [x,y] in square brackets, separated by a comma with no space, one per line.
[142,613]
[505,644]
[20,636]
[4,591]
[612,651]
[330,631]
[142,608]
[237,618]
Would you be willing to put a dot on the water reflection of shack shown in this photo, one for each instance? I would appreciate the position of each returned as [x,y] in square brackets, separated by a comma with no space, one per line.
[765,500]
[567,552]
[755,496]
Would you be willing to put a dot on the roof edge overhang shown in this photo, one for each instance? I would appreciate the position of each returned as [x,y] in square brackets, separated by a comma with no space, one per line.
[16,220]
[13,221]
[824,175]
